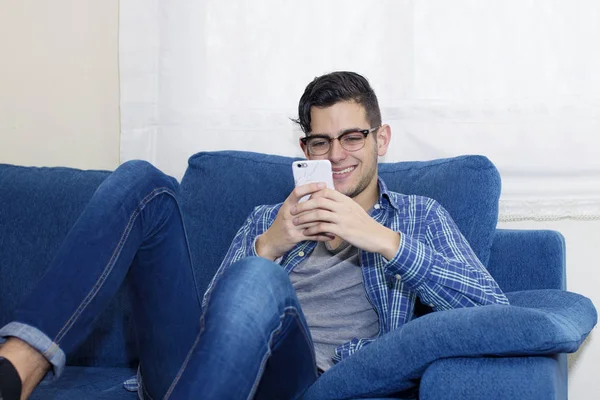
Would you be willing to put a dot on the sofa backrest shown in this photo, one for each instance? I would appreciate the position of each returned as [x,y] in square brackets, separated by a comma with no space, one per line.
[220,189]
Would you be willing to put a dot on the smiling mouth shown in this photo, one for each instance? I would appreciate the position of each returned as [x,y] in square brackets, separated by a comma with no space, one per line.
[343,172]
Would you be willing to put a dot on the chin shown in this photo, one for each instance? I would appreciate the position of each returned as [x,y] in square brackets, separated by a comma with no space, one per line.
[343,188]
[349,191]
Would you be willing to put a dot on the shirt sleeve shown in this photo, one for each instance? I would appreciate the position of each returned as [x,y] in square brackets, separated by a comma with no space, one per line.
[443,270]
[244,242]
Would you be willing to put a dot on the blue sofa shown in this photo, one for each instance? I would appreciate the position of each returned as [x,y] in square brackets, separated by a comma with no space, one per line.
[492,352]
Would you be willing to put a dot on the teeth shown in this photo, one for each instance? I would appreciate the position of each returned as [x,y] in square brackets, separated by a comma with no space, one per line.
[343,171]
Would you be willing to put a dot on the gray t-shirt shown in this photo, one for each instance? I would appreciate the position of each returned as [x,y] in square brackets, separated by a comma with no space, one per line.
[330,289]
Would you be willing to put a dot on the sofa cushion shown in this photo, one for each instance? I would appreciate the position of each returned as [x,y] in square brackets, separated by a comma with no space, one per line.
[538,322]
[220,189]
[90,383]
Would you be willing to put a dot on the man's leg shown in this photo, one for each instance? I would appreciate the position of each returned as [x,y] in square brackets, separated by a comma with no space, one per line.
[131,225]
[253,341]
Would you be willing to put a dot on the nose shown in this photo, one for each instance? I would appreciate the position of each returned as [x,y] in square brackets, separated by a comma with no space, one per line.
[336,152]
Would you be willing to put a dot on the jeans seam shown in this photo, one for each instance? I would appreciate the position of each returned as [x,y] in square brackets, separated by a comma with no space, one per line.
[189,253]
[212,284]
[290,310]
[146,393]
[189,355]
[204,306]
[183,365]
[107,269]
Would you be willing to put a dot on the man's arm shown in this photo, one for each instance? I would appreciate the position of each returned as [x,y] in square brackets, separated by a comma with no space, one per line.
[273,225]
[444,271]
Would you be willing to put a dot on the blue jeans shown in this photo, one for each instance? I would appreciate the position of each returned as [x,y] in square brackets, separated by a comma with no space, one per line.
[251,340]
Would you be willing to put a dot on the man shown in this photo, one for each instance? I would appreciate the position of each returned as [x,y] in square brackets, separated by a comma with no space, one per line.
[303,285]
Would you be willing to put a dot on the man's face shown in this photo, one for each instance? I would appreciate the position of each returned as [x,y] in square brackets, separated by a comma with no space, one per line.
[353,172]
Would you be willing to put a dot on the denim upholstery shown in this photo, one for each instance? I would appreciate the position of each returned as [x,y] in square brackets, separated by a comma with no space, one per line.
[532,378]
[79,383]
[38,205]
[524,260]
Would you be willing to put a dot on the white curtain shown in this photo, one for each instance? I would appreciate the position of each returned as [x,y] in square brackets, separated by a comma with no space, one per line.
[515,80]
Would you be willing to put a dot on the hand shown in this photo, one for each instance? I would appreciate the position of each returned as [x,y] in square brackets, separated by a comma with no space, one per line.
[283,234]
[331,212]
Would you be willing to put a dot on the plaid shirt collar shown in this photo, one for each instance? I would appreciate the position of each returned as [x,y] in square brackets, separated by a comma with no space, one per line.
[384,195]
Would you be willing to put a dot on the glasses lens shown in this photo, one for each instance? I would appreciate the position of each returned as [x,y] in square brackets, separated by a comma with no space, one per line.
[318,146]
[353,141]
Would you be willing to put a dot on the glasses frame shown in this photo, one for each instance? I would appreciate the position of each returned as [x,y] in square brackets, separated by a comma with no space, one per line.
[365,133]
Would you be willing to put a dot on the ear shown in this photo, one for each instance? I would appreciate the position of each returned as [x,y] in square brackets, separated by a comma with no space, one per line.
[384,135]
[304,149]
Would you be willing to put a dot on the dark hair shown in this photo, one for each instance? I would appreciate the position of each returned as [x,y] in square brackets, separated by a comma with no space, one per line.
[329,89]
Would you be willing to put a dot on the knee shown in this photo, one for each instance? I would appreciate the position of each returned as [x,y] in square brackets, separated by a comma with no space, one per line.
[260,271]
[258,283]
[142,175]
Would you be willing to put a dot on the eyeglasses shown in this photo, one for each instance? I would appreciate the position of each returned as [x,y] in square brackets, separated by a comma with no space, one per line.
[318,145]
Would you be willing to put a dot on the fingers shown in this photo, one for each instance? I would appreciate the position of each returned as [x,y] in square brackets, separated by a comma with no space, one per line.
[305,225]
[321,238]
[316,218]
[331,194]
[321,229]
[303,190]
[316,231]
[313,228]
[313,203]
[312,231]
[318,215]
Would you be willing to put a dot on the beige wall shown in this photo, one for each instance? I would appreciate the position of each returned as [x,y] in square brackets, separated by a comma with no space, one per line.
[59,84]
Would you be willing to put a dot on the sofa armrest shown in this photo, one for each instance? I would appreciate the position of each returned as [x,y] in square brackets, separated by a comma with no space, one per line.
[491,378]
[538,323]
[528,259]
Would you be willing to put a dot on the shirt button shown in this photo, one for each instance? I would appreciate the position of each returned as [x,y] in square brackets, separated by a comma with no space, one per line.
[301,254]
[398,277]
[377,206]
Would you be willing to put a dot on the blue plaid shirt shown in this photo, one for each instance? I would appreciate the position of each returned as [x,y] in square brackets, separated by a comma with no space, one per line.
[434,262]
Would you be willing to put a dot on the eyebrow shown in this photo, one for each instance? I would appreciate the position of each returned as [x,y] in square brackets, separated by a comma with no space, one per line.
[324,135]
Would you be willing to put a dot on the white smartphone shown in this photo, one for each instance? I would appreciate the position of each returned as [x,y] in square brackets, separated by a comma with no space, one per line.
[309,171]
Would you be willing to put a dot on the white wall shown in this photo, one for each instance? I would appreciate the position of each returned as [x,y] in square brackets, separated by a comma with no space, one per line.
[59,83]
[583,276]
